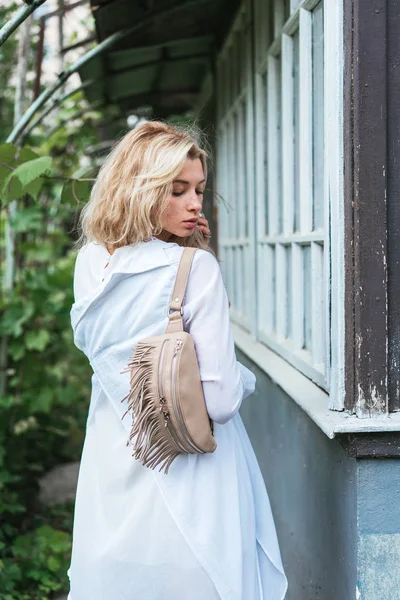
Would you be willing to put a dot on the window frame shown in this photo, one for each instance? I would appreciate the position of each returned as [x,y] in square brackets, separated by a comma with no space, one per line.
[289,241]
[237,251]
[261,70]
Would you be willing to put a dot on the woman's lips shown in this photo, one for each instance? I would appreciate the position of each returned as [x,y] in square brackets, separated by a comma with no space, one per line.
[190,224]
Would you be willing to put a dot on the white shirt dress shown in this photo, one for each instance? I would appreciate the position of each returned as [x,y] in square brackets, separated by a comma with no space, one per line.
[205,530]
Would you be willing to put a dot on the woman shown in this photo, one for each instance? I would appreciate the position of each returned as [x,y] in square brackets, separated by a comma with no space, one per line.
[205,530]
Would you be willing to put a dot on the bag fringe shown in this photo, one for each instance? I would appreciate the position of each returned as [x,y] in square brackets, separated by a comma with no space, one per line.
[150,447]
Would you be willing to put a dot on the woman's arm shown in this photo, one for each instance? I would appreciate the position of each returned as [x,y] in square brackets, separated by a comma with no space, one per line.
[206,317]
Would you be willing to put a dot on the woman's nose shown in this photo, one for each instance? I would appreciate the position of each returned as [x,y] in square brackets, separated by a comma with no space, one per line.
[195,203]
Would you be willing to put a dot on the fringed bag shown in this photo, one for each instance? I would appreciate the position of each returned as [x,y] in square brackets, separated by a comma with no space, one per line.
[169,415]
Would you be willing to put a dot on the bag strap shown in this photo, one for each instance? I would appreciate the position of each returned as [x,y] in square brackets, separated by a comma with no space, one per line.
[175,318]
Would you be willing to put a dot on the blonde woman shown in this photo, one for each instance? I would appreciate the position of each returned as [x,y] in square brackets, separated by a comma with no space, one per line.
[205,530]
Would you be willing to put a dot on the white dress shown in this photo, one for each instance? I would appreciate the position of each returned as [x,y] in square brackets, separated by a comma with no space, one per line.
[204,531]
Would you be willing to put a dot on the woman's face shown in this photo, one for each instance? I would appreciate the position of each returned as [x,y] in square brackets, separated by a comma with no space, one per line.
[182,214]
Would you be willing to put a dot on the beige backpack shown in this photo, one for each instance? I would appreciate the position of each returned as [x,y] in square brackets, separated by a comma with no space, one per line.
[169,415]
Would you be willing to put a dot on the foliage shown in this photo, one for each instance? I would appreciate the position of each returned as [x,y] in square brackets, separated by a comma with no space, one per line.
[43,412]
[39,578]
[44,407]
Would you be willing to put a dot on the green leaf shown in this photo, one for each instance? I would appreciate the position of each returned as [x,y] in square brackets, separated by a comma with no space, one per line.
[7,153]
[75,191]
[37,340]
[15,316]
[7,401]
[43,401]
[34,188]
[12,188]
[5,174]
[26,154]
[32,169]
[53,564]
[25,176]
[12,570]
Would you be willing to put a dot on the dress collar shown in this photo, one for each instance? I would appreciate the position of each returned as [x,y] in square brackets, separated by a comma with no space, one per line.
[126,260]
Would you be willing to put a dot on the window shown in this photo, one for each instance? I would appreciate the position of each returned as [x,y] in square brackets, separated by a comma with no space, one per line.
[278,170]
[236,169]
[290,246]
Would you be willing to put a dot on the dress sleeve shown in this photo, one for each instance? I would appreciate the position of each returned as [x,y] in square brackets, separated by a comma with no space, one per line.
[206,317]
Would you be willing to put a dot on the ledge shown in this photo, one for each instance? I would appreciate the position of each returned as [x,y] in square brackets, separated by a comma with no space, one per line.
[312,399]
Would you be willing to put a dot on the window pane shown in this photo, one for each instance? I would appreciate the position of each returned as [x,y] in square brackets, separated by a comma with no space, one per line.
[236,277]
[236,174]
[243,152]
[223,78]
[231,182]
[273,287]
[237,59]
[231,79]
[232,276]
[278,149]
[279,145]
[265,158]
[318,115]
[296,129]
[286,9]
[288,291]
[307,297]
[242,47]
[270,23]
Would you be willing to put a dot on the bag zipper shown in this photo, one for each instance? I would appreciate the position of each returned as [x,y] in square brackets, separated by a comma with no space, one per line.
[160,374]
[162,400]
[176,405]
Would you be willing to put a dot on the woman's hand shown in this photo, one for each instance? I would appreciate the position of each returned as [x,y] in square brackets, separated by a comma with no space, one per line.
[202,225]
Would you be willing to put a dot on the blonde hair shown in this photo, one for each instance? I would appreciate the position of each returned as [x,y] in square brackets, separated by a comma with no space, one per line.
[134,185]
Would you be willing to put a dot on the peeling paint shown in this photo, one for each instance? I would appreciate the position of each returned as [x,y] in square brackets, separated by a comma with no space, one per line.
[370,401]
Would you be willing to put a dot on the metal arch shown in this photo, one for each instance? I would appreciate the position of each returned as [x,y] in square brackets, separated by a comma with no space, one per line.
[52,106]
[18,19]
[96,51]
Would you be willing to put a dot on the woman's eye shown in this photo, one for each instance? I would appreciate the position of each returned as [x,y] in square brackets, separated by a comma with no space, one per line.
[198,192]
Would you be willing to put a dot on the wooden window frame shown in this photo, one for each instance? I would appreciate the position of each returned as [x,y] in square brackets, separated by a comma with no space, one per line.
[292,349]
[236,249]
[257,245]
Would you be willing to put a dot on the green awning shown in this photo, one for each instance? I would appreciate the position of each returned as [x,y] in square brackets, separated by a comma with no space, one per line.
[163,64]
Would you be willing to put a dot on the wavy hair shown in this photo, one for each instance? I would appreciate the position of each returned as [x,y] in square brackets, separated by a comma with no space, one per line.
[134,185]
